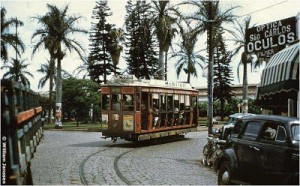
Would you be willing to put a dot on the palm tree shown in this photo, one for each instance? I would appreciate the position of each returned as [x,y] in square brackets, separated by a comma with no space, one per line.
[8,38]
[84,68]
[48,42]
[17,71]
[239,38]
[209,12]
[188,58]
[56,27]
[210,17]
[49,71]
[164,18]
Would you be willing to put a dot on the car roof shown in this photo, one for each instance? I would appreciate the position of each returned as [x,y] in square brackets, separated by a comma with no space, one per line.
[282,119]
[240,115]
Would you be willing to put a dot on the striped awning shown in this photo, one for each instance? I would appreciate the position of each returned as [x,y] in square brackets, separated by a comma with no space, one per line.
[281,73]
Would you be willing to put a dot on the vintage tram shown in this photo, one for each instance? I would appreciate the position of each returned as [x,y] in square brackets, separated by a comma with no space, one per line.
[138,109]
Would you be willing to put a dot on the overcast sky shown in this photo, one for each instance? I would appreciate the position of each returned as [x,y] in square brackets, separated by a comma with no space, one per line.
[261,11]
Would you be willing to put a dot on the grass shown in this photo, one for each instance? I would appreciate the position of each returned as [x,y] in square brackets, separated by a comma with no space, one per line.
[202,121]
[73,126]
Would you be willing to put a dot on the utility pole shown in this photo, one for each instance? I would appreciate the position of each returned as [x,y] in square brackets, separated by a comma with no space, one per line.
[210,72]
[245,83]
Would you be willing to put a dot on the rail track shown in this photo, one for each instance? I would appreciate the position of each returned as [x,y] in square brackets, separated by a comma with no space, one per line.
[131,148]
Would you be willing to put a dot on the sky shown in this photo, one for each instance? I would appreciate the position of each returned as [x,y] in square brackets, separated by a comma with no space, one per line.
[262,12]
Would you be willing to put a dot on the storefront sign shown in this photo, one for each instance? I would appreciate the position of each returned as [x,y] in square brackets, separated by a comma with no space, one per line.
[267,39]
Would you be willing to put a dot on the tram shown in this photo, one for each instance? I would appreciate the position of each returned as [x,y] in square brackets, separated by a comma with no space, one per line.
[138,109]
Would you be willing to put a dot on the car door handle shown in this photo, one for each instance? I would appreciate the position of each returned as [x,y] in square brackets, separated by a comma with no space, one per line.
[255,148]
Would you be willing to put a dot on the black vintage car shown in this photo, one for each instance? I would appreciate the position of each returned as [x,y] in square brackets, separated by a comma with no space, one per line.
[262,149]
[227,128]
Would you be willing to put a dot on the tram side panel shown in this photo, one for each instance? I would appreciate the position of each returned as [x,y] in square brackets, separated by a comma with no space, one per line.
[138,124]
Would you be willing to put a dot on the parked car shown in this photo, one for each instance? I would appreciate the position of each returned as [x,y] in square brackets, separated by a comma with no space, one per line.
[262,149]
[227,128]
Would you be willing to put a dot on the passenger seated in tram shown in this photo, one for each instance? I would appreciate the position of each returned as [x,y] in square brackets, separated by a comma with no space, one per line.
[127,103]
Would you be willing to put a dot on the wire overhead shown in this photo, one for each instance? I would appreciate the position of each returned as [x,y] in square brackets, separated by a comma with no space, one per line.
[263,8]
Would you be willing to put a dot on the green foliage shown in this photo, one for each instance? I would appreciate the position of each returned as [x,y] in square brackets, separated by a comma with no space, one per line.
[230,108]
[9,39]
[202,106]
[140,45]
[17,71]
[222,72]
[101,38]
[253,108]
[79,96]
[187,57]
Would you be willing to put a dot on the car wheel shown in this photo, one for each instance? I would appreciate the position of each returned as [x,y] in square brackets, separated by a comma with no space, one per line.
[224,174]
[206,150]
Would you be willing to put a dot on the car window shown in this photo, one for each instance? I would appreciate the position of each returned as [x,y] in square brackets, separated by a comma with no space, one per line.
[295,132]
[237,128]
[281,134]
[273,131]
[252,130]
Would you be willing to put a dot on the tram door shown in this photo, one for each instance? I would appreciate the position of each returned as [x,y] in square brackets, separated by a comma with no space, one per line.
[195,110]
[144,111]
[116,116]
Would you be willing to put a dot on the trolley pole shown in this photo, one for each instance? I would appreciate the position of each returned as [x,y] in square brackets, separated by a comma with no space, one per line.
[210,72]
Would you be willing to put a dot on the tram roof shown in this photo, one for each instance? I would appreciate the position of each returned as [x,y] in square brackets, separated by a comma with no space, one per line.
[131,80]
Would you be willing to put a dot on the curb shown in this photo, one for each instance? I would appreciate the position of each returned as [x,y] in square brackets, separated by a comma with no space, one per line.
[75,130]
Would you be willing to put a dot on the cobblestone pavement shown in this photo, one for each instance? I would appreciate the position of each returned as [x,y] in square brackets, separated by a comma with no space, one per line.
[66,158]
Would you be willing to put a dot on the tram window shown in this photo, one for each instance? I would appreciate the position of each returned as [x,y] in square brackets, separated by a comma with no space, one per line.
[181,102]
[115,101]
[155,98]
[127,102]
[176,102]
[144,101]
[105,101]
[194,102]
[162,103]
[169,102]
[187,102]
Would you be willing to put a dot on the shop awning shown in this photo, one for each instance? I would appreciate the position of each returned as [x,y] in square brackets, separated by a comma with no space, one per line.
[281,74]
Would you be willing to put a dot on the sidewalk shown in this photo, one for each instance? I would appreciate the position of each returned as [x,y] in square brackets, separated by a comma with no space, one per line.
[205,128]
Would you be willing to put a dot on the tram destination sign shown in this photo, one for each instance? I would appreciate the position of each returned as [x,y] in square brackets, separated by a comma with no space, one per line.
[267,39]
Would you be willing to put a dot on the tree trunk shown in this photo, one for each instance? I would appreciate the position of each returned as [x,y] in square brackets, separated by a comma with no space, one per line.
[210,74]
[161,64]
[58,104]
[189,77]
[245,83]
[166,65]
[52,67]
[104,62]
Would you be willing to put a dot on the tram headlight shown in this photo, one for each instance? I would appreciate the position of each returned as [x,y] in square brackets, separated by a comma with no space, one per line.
[104,121]
[128,123]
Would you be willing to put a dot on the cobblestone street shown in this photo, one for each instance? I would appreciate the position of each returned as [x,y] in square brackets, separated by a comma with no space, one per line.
[84,158]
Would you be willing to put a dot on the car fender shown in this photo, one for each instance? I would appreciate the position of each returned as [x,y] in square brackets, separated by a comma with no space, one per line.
[226,155]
